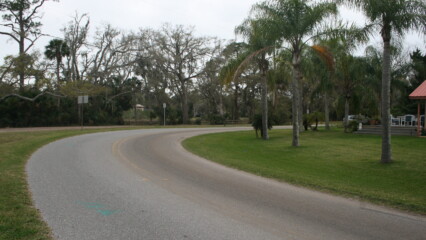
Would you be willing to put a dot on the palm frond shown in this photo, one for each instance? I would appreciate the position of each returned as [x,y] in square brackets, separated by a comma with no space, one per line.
[325,55]
[247,60]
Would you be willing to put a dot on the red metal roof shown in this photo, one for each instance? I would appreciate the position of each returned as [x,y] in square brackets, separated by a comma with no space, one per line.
[420,92]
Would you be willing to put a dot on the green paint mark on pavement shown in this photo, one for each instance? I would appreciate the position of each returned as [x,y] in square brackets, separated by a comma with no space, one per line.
[106,212]
[100,208]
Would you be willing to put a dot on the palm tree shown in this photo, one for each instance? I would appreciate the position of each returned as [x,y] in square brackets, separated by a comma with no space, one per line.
[233,51]
[56,50]
[390,17]
[260,41]
[296,23]
[320,67]
[350,72]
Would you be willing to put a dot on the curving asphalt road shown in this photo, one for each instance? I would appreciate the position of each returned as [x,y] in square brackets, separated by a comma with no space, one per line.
[141,184]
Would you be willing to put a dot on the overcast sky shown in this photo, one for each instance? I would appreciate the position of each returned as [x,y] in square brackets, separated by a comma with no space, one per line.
[215,18]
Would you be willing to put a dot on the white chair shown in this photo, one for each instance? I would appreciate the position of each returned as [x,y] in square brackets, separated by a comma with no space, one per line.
[410,120]
[401,120]
[395,121]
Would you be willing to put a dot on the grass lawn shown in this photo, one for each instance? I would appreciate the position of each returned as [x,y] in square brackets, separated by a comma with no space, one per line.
[18,218]
[331,161]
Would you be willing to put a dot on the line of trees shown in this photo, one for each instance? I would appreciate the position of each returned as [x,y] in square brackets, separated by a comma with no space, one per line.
[296,63]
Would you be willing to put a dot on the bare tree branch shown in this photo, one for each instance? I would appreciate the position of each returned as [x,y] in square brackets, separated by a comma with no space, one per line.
[10,35]
[31,99]
[30,16]
[120,94]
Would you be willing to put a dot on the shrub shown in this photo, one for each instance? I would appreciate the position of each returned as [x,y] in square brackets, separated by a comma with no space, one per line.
[172,116]
[309,119]
[152,115]
[353,126]
[216,119]
[257,124]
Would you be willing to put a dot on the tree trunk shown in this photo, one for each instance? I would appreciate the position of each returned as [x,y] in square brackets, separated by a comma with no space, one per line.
[236,115]
[58,75]
[185,110]
[295,102]
[265,135]
[252,103]
[221,112]
[74,69]
[346,122]
[327,112]
[386,81]
[21,50]
[300,103]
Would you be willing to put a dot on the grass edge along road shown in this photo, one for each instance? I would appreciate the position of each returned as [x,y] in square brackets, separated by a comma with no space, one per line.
[18,217]
[329,161]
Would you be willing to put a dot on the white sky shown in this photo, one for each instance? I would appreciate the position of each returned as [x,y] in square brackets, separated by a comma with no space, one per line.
[215,18]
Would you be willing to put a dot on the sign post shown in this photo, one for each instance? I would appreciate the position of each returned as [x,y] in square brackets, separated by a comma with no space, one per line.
[82,100]
[164,109]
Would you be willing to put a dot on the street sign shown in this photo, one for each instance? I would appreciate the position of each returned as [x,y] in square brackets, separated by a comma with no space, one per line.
[83,99]
[164,105]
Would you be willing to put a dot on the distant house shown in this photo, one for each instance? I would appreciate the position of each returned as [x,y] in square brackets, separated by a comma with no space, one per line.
[140,107]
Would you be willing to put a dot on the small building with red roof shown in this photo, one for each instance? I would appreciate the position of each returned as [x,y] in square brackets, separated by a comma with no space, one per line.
[419,94]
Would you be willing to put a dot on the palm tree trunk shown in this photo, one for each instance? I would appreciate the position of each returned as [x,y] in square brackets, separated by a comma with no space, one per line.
[58,75]
[386,70]
[300,103]
[326,112]
[346,122]
[265,135]
[276,99]
[236,107]
[295,102]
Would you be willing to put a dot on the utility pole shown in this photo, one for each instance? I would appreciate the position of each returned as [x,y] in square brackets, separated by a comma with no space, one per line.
[164,114]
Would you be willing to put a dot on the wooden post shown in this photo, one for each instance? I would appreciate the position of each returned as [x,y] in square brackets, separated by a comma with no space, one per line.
[419,130]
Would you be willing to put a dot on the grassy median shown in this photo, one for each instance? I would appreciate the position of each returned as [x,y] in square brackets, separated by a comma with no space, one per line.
[331,161]
[18,217]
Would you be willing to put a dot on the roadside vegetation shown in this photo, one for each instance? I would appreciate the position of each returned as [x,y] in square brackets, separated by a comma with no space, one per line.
[330,161]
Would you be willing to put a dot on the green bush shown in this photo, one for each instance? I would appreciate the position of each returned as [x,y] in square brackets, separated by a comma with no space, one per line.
[353,126]
[257,124]
[198,121]
[216,119]
[312,118]
[152,115]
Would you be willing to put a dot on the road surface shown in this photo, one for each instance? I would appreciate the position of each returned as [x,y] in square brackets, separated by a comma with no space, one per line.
[142,184]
